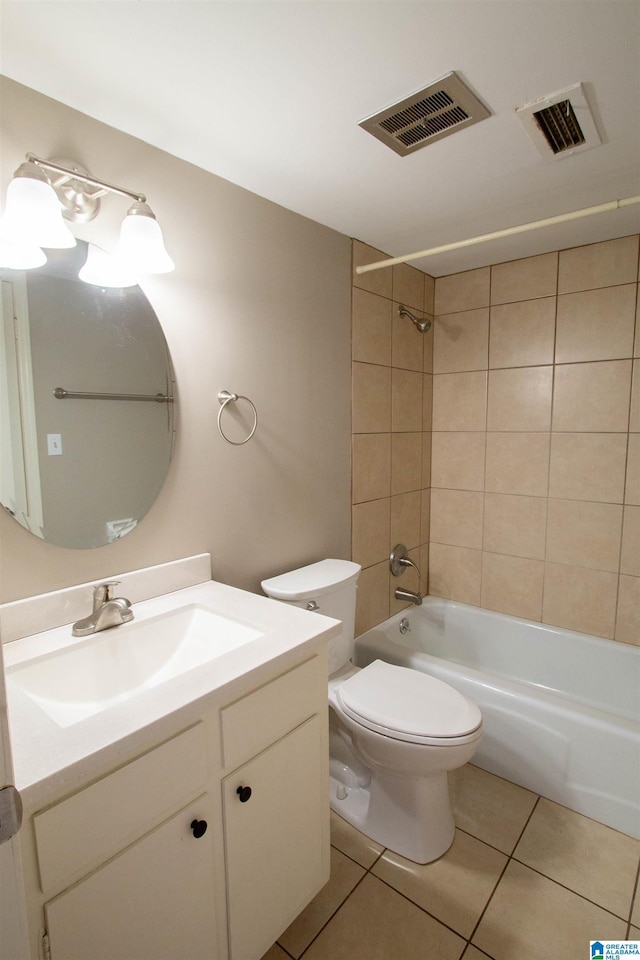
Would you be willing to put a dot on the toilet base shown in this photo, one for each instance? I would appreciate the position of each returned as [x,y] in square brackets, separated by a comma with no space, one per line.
[409,815]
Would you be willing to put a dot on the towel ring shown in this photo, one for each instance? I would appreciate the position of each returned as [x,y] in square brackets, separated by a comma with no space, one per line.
[224,397]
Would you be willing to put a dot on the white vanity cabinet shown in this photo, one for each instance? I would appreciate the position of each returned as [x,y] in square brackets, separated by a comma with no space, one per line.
[276,807]
[122,869]
[143,859]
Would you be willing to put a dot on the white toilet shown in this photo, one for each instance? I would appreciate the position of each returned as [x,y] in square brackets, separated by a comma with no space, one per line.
[394,732]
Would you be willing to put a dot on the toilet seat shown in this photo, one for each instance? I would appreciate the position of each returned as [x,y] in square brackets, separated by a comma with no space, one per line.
[408,705]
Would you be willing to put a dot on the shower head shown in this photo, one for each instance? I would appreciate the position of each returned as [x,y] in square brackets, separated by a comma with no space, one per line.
[422,325]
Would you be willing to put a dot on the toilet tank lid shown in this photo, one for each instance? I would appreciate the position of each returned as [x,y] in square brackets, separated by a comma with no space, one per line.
[314,580]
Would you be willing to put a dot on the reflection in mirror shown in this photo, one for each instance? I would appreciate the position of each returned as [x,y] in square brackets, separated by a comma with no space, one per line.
[80,471]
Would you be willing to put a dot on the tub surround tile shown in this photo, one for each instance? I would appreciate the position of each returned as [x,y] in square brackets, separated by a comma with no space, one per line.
[517,463]
[371,397]
[522,334]
[372,605]
[370,531]
[408,285]
[588,466]
[457,517]
[596,324]
[275,953]
[427,401]
[632,485]
[512,585]
[463,291]
[598,265]
[524,279]
[352,843]
[520,399]
[584,534]
[461,341]
[406,462]
[460,401]
[345,874]
[587,857]
[580,599]
[630,557]
[405,520]
[425,516]
[551,921]
[634,416]
[427,346]
[371,466]
[592,397]
[377,281]
[370,328]
[628,618]
[458,460]
[527,391]
[490,808]
[406,400]
[455,573]
[427,441]
[429,293]
[406,342]
[378,922]
[515,525]
[455,888]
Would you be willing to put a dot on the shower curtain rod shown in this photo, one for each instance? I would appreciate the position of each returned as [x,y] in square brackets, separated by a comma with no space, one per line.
[497,234]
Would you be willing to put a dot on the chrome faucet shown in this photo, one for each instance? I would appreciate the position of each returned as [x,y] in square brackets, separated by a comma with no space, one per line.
[398,562]
[108,611]
[401,594]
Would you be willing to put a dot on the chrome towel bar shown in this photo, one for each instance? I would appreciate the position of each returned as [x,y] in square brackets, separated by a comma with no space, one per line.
[61,394]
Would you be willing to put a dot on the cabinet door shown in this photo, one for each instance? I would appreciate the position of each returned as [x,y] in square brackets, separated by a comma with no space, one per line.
[277,841]
[155,901]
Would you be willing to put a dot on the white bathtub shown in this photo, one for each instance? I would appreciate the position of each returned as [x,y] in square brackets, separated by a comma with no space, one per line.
[561,710]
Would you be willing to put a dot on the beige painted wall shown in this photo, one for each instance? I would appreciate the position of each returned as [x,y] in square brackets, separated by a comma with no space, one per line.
[259,304]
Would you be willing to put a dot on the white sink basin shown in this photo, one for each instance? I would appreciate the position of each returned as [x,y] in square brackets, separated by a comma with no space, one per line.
[79,681]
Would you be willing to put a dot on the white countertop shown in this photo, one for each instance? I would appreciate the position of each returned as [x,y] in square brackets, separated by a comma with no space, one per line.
[49,758]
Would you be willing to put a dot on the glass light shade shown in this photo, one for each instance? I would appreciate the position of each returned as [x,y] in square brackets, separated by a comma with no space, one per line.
[33,215]
[103,270]
[20,256]
[141,248]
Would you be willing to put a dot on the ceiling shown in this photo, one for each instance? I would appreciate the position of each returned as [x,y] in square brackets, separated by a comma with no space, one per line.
[269,95]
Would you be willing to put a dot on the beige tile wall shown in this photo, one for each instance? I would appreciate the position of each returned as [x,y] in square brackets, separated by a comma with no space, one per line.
[530,382]
[392,364]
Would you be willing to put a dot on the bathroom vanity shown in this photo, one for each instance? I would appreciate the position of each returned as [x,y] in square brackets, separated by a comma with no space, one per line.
[189,819]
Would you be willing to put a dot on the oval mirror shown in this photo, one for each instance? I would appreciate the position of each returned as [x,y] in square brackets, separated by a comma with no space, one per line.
[86,403]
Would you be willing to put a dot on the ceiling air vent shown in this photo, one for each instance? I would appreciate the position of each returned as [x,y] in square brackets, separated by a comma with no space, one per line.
[440,109]
[561,124]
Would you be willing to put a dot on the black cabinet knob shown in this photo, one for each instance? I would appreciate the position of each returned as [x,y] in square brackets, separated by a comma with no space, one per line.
[244,793]
[199,828]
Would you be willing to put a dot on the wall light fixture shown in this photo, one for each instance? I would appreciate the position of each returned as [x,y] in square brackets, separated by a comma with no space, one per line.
[45,193]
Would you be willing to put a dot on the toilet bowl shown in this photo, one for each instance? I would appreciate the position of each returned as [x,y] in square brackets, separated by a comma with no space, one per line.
[394,733]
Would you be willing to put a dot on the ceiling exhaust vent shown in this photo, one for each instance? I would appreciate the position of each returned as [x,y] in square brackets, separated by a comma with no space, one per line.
[437,111]
[561,124]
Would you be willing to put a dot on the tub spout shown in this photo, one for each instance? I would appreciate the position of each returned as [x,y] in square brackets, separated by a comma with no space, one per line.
[401,594]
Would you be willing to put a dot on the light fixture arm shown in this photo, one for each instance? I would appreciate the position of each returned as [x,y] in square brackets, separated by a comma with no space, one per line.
[80,205]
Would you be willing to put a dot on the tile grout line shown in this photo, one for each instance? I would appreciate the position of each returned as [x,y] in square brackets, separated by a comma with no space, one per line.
[504,870]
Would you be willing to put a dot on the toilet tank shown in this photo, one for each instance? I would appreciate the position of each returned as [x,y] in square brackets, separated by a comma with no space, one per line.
[327,587]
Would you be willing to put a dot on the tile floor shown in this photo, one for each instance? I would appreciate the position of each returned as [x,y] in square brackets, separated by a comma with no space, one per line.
[525,879]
